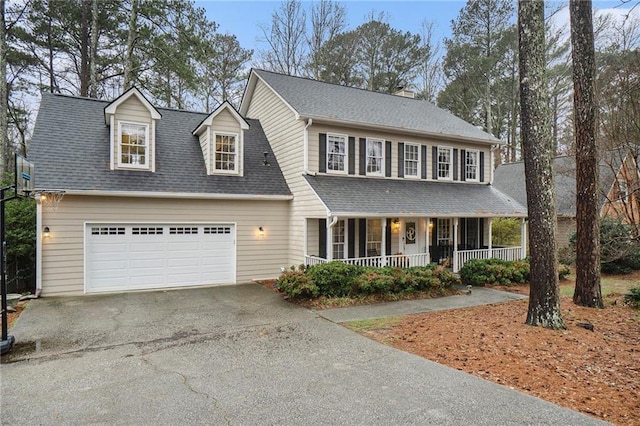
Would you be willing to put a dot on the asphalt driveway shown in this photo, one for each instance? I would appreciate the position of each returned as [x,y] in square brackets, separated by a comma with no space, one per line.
[232,355]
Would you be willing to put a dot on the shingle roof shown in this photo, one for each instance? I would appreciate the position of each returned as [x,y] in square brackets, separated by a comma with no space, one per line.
[510,179]
[70,147]
[398,197]
[319,100]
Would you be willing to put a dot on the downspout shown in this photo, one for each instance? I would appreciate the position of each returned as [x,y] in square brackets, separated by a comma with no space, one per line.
[306,146]
[38,245]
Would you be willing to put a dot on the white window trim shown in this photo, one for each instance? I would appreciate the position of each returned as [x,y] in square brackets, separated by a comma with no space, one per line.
[450,177]
[147,142]
[368,241]
[477,178]
[212,150]
[345,248]
[381,172]
[346,154]
[419,165]
[440,237]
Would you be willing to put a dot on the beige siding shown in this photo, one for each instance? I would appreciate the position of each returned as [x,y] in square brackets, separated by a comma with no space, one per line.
[204,145]
[257,257]
[286,136]
[566,227]
[132,110]
[225,122]
[316,129]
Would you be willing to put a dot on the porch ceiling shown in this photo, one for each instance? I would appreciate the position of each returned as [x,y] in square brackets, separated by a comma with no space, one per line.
[348,196]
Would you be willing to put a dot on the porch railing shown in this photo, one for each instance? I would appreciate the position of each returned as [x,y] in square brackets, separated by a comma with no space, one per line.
[504,253]
[396,260]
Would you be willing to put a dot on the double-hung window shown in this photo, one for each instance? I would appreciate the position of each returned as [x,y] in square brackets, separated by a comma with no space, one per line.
[134,145]
[444,162]
[339,240]
[374,237]
[336,153]
[471,165]
[444,232]
[411,160]
[375,156]
[226,153]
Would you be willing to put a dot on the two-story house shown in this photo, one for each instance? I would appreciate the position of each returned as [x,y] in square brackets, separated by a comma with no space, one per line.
[306,172]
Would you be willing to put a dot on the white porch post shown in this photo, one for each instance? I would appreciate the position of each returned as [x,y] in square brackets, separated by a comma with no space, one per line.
[426,238]
[523,238]
[383,245]
[455,244]
[490,240]
[330,240]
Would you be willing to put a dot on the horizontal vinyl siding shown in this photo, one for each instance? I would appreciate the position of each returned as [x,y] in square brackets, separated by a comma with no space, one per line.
[257,257]
[316,129]
[226,123]
[286,135]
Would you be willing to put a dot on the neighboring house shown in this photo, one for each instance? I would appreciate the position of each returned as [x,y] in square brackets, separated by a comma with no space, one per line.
[616,180]
[306,172]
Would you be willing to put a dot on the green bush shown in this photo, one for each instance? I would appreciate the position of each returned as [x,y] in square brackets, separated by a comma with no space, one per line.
[633,297]
[372,282]
[297,285]
[506,231]
[334,279]
[563,272]
[479,272]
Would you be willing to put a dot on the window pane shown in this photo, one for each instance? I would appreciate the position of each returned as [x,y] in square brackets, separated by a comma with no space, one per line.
[471,165]
[444,162]
[336,152]
[338,240]
[411,159]
[374,156]
[225,155]
[133,144]
[374,237]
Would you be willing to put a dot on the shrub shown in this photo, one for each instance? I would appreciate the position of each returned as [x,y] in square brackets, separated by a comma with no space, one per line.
[372,282]
[334,279]
[297,285]
[563,272]
[479,272]
[633,297]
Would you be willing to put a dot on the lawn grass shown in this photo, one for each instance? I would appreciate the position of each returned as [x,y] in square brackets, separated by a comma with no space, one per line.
[361,326]
[611,284]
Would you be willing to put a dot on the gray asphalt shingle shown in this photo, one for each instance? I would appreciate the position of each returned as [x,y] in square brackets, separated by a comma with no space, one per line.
[70,148]
[311,98]
[397,197]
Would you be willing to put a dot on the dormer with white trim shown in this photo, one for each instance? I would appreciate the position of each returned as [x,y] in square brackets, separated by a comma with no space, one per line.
[221,137]
[132,132]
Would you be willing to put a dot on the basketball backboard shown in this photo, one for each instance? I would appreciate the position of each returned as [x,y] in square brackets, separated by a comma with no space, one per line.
[25,179]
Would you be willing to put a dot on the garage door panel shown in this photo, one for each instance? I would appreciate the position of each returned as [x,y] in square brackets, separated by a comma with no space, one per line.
[143,256]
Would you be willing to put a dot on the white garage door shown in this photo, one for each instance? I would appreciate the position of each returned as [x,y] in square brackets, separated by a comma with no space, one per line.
[144,256]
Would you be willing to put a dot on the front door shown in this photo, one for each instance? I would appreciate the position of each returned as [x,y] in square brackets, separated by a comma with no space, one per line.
[410,238]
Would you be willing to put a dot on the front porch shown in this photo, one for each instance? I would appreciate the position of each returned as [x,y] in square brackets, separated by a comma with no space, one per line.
[406,241]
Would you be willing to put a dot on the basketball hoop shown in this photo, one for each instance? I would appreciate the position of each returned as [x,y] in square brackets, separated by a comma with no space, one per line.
[50,200]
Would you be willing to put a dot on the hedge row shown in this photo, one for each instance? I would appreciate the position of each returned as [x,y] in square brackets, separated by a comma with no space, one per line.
[337,279]
[479,272]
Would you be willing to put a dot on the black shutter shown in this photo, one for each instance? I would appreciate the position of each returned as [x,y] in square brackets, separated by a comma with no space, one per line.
[434,232]
[322,238]
[351,239]
[463,168]
[387,158]
[462,243]
[363,156]
[352,155]
[322,160]
[362,237]
[400,159]
[481,231]
[481,166]
[455,164]
[434,163]
[423,161]
[387,241]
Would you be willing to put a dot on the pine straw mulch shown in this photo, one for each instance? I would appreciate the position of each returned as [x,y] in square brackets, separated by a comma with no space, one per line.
[595,372]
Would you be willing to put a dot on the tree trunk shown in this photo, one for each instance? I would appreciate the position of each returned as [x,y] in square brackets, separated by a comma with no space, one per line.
[587,291]
[93,88]
[544,297]
[4,130]
[84,49]
[131,40]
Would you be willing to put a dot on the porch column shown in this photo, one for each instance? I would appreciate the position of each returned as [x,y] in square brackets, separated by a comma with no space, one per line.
[383,245]
[523,238]
[426,238]
[490,240]
[330,224]
[455,244]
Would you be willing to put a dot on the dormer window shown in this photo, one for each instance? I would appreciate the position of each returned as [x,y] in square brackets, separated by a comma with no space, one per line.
[133,145]
[226,153]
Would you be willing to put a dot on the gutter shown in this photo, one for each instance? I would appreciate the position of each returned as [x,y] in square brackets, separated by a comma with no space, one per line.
[193,195]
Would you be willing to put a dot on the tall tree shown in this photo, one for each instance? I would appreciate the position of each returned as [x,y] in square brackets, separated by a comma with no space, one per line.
[285,38]
[328,19]
[587,291]
[430,70]
[544,297]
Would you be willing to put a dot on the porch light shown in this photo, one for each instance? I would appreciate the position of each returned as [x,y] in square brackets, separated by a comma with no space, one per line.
[430,224]
[45,232]
[261,231]
[395,226]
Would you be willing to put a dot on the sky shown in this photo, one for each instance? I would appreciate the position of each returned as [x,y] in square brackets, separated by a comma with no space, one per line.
[243,18]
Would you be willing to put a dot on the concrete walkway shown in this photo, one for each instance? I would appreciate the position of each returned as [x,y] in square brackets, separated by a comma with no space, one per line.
[479,296]
[237,355]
